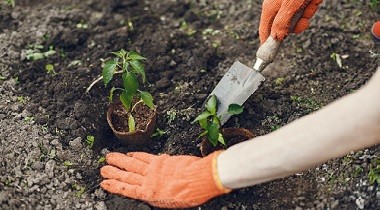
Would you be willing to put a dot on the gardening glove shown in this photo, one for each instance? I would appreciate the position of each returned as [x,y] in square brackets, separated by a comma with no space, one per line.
[277,15]
[162,180]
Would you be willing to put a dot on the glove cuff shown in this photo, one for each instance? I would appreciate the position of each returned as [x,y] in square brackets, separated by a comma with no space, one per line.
[215,174]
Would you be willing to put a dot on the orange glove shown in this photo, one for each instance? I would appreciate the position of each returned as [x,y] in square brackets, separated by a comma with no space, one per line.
[277,15]
[162,180]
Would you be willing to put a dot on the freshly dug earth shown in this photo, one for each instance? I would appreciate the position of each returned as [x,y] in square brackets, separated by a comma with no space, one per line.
[46,162]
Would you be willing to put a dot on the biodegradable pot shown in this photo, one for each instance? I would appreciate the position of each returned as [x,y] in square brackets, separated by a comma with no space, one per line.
[232,136]
[145,119]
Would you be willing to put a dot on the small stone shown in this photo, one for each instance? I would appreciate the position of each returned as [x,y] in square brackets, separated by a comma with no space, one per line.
[360,203]
[334,204]
[76,144]
[172,63]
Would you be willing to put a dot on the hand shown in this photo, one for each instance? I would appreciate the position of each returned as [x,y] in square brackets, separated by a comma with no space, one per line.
[162,180]
[277,15]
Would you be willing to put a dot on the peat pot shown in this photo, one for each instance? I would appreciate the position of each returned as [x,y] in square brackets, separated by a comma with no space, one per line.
[232,136]
[145,119]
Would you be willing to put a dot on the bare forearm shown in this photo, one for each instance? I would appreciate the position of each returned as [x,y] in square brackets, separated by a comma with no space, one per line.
[350,123]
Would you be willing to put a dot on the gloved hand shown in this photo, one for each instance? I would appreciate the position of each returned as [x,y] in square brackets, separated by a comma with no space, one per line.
[276,17]
[162,180]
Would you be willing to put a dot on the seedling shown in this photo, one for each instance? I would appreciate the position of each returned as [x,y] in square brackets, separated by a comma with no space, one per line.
[67,163]
[374,173]
[11,3]
[210,122]
[36,52]
[101,159]
[50,69]
[81,25]
[130,64]
[337,58]
[159,133]
[79,190]
[90,141]
[171,115]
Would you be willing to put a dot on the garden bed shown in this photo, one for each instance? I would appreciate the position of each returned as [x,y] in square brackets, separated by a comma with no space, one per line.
[189,45]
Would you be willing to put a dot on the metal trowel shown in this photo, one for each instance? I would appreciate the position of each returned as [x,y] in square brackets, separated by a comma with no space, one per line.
[240,81]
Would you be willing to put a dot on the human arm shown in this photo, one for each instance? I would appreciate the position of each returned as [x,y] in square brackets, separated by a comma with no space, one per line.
[351,123]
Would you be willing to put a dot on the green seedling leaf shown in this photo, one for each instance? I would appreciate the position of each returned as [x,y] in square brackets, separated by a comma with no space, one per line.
[131,123]
[67,163]
[35,56]
[101,159]
[135,56]
[202,116]
[211,104]
[130,82]
[158,133]
[203,123]
[213,133]
[221,139]
[49,52]
[126,100]
[147,99]
[90,141]
[109,70]
[50,69]
[235,109]
[120,54]
[337,58]
[138,68]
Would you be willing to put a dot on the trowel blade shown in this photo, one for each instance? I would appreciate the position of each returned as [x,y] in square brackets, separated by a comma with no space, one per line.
[235,87]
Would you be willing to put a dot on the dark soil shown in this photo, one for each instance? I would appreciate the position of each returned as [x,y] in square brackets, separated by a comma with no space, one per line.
[141,114]
[189,45]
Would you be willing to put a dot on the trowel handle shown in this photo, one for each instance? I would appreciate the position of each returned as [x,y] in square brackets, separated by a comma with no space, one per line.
[269,49]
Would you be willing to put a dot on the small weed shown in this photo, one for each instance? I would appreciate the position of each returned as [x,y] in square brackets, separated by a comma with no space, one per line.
[50,69]
[21,99]
[159,133]
[67,163]
[28,119]
[81,25]
[308,103]
[374,172]
[90,141]
[11,3]
[101,159]
[374,3]
[279,81]
[127,23]
[171,115]
[79,190]
[210,31]
[37,52]
[2,78]
[75,63]
[337,58]
[188,30]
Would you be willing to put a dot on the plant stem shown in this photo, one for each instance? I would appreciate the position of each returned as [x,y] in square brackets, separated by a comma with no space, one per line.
[134,106]
[97,80]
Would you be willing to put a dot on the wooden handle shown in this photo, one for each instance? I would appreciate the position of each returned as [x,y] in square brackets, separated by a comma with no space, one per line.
[268,50]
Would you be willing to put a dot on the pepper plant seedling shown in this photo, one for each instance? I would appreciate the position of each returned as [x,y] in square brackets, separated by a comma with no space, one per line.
[130,63]
[210,121]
